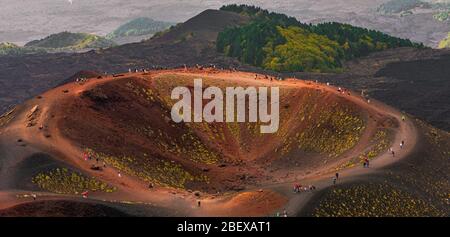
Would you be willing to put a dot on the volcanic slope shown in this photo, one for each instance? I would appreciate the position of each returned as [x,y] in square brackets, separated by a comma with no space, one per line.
[113,136]
[189,43]
[416,186]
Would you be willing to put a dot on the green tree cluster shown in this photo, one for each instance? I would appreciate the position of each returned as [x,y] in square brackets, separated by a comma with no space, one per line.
[281,43]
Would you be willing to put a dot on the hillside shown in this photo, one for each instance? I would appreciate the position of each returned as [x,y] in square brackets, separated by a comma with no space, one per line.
[415,187]
[445,43]
[412,80]
[419,27]
[194,42]
[6,48]
[71,41]
[280,43]
[142,26]
[12,49]
[402,6]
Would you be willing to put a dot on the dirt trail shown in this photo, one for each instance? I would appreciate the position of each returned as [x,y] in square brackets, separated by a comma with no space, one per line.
[275,197]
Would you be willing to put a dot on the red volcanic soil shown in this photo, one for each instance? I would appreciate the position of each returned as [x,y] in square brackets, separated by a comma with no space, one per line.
[124,122]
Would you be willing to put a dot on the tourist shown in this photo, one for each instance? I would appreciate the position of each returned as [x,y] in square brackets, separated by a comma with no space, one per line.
[297,188]
[334,180]
[337,175]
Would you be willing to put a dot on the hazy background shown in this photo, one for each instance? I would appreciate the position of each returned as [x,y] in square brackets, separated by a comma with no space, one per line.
[25,20]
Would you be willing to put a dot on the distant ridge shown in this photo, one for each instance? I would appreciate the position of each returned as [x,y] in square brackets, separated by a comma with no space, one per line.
[139,27]
[71,41]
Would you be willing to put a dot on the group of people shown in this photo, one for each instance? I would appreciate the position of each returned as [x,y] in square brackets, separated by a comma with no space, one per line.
[96,166]
[299,188]
[335,178]
[391,150]
[343,91]
[285,214]
[267,77]
[81,80]
[366,163]
[143,70]
[183,66]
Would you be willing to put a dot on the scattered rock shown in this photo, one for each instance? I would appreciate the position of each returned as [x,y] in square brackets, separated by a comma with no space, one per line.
[96,95]
[96,168]
[32,116]
[237,188]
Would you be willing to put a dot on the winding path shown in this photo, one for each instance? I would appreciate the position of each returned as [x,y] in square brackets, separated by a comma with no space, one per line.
[179,202]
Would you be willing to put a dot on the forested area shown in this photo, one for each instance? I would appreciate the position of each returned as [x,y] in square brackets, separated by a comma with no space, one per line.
[281,43]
